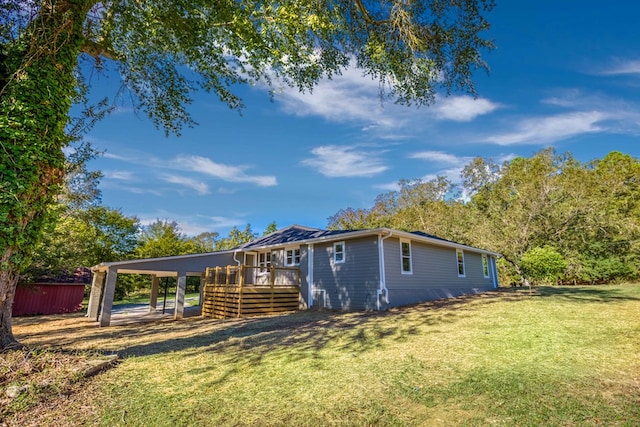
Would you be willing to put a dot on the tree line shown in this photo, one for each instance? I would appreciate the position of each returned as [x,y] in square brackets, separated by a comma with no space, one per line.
[88,236]
[553,218]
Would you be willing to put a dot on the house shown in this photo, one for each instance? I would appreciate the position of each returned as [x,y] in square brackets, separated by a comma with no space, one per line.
[370,269]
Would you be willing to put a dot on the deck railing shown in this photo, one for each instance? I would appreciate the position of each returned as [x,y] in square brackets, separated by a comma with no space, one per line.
[243,290]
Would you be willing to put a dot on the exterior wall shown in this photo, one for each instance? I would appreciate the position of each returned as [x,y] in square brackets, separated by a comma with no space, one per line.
[434,273]
[48,298]
[351,285]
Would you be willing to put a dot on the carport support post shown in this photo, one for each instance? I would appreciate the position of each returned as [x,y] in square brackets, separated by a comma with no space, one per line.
[107,301]
[97,284]
[180,290]
[153,300]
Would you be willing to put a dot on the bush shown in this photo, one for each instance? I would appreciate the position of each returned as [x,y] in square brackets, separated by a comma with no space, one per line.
[543,264]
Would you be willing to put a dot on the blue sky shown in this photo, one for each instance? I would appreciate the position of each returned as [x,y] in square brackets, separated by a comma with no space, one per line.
[564,74]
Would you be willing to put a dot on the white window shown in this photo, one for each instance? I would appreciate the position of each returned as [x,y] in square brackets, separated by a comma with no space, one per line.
[292,257]
[264,260]
[338,252]
[405,256]
[460,260]
[485,266]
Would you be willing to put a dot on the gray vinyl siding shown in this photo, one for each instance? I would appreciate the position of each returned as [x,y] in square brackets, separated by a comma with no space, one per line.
[434,273]
[351,285]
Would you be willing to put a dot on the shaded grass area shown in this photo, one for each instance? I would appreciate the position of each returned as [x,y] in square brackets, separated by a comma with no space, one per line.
[561,356]
[30,377]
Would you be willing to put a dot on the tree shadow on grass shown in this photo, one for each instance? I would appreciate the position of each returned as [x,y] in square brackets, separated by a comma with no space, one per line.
[302,334]
[310,331]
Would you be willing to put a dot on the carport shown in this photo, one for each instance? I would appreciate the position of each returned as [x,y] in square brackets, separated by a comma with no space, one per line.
[105,276]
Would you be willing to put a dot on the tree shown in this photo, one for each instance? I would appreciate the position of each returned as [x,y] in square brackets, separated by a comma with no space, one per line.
[83,238]
[235,238]
[543,264]
[166,49]
[205,242]
[270,228]
[164,238]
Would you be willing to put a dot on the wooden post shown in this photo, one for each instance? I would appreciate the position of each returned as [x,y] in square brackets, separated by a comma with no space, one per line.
[272,283]
[226,289]
[300,300]
[241,284]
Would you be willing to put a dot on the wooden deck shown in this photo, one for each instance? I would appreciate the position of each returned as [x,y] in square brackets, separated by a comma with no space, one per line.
[232,291]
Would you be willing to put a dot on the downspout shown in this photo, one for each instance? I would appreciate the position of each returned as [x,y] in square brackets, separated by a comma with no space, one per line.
[310,253]
[383,286]
[236,260]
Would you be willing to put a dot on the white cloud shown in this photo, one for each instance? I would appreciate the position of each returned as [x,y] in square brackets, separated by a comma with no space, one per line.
[354,98]
[623,67]
[225,172]
[463,108]
[199,187]
[108,155]
[389,186]
[551,129]
[343,161]
[350,97]
[193,225]
[120,175]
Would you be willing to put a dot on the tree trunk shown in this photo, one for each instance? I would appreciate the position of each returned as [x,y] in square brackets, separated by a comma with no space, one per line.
[8,283]
[34,109]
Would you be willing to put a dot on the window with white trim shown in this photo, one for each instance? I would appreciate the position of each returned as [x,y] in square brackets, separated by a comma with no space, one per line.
[338,252]
[405,256]
[460,261]
[292,257]
[264,260]
[485,266]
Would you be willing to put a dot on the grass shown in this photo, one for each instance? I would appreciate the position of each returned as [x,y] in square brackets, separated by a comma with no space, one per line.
[560,357]
[142,297]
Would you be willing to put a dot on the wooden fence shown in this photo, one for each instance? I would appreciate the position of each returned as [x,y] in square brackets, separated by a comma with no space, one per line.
[242,291]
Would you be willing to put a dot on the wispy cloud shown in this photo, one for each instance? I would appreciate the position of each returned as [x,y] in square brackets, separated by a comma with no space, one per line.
[120,175]
[623,67]
[350,97]
[110,155]
[345,161]
[389,186]
[463,108]
[193,225]
[198,186]
[354,98]
[227,173]
[441,157]
[545,130]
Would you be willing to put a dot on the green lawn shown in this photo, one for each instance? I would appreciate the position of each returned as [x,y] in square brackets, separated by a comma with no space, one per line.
[144,296]
[566,356]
